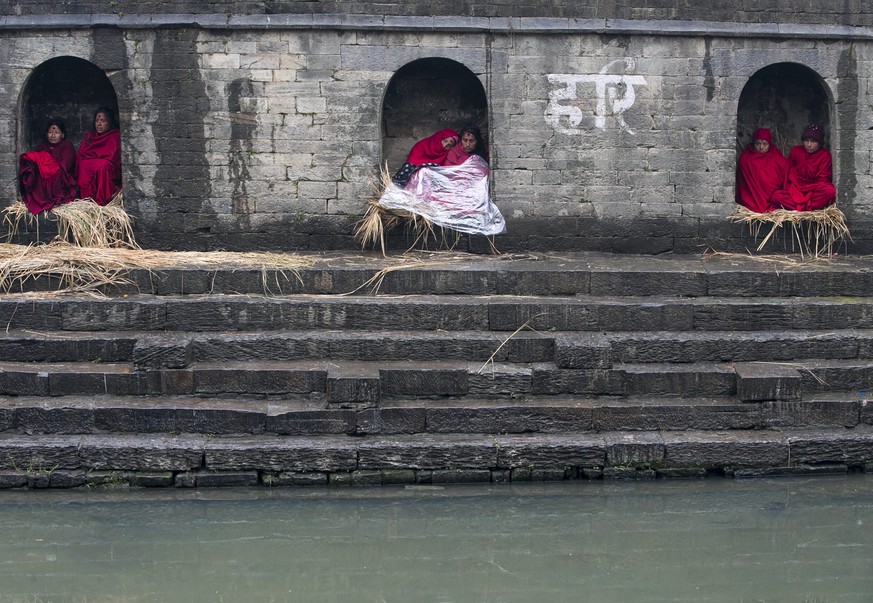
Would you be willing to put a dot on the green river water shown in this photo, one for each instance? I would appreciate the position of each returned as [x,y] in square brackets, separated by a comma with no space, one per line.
[764,540]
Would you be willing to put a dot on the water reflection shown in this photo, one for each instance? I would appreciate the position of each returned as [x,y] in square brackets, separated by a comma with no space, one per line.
[806,540]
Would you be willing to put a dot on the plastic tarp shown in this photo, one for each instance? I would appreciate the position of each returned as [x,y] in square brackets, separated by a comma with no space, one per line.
[454,197]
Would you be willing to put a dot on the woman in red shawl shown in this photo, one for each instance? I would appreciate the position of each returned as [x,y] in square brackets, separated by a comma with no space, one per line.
[762,172]
[428,151]
[47,173]
[471,143]
[98,162]
[809,183]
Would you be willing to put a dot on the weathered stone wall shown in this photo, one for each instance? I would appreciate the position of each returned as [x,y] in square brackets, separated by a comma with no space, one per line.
[265,132]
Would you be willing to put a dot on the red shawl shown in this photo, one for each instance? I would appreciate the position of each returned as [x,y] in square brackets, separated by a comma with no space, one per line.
[430,149]
[98,166]
[810,168]
[759,175]
[46,176]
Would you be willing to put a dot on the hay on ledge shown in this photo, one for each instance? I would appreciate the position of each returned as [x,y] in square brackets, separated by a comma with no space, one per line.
[378,220]
[815,233]
[81,222]
[96,269]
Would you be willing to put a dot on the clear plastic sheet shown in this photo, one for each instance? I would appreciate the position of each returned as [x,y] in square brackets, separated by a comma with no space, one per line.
[454,197]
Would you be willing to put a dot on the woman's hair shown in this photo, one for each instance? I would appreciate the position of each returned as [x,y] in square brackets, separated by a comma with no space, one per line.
[57,121]
[481,148]
[110,117]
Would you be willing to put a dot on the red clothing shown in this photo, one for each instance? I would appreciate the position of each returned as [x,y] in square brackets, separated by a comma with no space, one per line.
[98,166]
[430,149]
[759,176]
[809,183]
[47,176]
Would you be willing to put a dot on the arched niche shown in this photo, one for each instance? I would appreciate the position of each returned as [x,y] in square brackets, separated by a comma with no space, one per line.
[67,87]
[427,95]
[783,97]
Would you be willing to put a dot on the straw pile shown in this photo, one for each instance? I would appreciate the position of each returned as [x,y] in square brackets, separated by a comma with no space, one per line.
[814,233]
[378,220]
[81,222]
[94,270]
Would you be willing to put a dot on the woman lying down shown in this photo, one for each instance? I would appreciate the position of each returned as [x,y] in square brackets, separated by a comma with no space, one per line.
[445,180]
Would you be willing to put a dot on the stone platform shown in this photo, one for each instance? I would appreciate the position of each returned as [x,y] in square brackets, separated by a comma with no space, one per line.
[441,367]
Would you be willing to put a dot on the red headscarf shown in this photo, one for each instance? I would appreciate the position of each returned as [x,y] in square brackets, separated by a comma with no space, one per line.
[430,149]
[759,175]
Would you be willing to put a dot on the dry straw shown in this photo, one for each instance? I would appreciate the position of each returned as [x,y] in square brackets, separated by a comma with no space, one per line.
[815,233]
[378,221]
[70,268]
[81,222]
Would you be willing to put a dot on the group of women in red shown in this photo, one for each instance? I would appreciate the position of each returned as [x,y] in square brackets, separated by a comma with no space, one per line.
[54,173]
[767,181]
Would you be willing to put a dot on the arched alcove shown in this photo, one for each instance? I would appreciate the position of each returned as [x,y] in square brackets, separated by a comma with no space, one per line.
[427,95]
[783,97]
[67,87]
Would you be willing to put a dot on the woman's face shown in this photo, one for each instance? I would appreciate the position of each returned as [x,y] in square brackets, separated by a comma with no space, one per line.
[811,145]
[468,142]
[54,134]
[762,146]
[101,123]
[449,142]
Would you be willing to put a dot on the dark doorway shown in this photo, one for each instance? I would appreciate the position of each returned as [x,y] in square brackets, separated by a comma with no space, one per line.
[65,87]
[783,97]
[425,96]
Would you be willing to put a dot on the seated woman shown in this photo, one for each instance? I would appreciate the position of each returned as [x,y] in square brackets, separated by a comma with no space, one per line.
[471,143]
[452,193]
[429,151]
[47,173]
[762,171]
[98,162]
[809,181]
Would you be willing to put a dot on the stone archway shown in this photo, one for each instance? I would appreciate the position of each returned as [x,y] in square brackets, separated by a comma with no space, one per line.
[427,95]
[783,97]
[67,87]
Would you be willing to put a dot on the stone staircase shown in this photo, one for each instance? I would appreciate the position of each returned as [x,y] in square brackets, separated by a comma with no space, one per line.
[441,368]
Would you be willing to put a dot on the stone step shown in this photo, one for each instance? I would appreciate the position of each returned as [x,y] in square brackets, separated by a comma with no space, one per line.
[202,460]
[363,383]
[177,349]
[531,414]
[432,312]
[599,350]
[541,274]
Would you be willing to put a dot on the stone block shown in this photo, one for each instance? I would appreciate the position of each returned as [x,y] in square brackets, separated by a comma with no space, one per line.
[757,382]
[811,413]
[422,381]
[398,476]
[312,422]
[275,453]
[13,479]
[418,452]
[537,452]
[156,352]
[522,418]
[391,420]
[718,450]
[852,447]
[24,382]
[583,352]
[360,390]
[226,479]
[66,478]
[634,450]
[152,479]
[460,476]
[292,478]
[141,452]
[34,419]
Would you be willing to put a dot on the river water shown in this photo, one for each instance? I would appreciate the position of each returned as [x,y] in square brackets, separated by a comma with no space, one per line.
[765,540]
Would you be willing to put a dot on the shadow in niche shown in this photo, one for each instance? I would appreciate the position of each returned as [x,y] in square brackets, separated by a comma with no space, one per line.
[65,87]
[427,95]
[783,97]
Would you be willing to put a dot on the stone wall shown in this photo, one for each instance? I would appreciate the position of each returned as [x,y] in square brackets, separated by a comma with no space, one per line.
[260,131]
